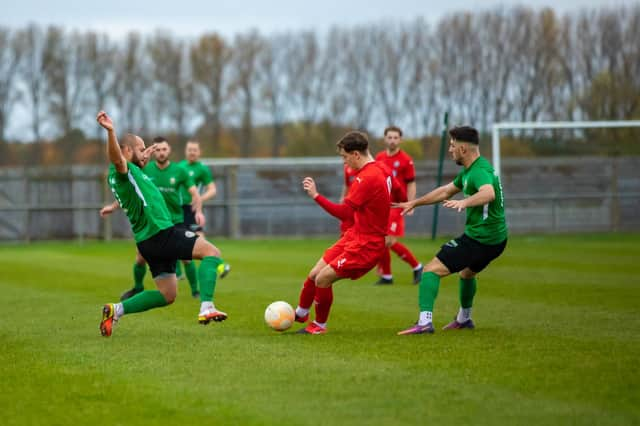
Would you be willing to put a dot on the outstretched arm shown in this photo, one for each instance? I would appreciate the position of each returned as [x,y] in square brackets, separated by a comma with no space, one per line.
[439,194]
[485,195]
[339,211]
[113,149]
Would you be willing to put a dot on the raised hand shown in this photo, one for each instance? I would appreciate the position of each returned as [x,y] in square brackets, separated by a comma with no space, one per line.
[309,185]
[104,120]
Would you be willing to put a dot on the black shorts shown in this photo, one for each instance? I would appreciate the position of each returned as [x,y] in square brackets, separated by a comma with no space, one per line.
[163,250]
[465,252]
[190,219]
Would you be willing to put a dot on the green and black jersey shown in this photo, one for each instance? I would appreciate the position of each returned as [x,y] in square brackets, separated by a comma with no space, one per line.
[200,174]
[141,201]
[486,223]
[173,182]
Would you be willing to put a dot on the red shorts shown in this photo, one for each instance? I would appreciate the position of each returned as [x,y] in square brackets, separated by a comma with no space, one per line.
[396,223]
[352,257]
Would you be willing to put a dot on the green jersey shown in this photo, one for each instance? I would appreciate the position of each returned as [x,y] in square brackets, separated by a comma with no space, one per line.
[200,174]
[486,223]
[141,201]
[172,181]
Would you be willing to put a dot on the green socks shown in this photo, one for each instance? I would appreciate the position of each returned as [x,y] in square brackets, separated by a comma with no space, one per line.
[178,268]
[138,276]
[428,291]
[207,275]
[467,292]
[192,276]
[144,301]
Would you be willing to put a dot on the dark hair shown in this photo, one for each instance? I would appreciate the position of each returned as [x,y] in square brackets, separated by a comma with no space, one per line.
[354,141]
[393,129]
[464,134]
[160,139]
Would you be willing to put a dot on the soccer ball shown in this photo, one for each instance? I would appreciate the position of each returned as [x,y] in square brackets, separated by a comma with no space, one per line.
[279,315]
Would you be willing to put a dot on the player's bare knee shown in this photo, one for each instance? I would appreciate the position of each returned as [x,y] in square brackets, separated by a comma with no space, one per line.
[467,274]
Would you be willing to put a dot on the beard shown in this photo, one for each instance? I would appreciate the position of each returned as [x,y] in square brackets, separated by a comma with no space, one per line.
[163,161]
[138,161]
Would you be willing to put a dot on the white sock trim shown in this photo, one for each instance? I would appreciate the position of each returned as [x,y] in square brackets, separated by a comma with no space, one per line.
[426,317]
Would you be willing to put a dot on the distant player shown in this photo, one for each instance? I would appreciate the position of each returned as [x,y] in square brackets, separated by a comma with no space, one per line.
[358,250]
[403,169]
[485,232]
[158,241]
[201,176]
[172,180]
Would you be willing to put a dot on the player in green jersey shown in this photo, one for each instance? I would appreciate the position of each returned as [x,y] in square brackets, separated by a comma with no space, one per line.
[485,232]
[158,241]
[171,180]
[201,176]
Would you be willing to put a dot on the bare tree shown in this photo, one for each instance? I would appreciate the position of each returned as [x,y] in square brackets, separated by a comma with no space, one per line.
[65,71]
[353,52]
[131,84]
[33,70]
[99,54]
[210,63]
[273,80]
[11,51]
[246,50]
[391,77]
[170,69]
[311,76]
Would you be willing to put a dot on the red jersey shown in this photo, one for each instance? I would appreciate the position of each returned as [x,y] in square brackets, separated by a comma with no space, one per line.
[349,176]
[401,164]
[398,191]
[370,199]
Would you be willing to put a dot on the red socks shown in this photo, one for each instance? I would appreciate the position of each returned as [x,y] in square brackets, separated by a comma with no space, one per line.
[404,253]
[307,293]
[384,264]
[324,299]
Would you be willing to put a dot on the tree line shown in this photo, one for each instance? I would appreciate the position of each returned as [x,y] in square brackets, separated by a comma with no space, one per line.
[287,93]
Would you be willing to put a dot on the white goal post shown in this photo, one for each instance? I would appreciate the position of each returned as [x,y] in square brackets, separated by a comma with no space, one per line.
[546,125]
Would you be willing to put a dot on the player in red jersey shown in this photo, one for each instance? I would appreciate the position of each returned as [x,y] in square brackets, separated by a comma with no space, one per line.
[403,170]
[358,250]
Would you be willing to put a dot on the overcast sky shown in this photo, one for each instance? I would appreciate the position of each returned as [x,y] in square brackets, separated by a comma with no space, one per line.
[193,17]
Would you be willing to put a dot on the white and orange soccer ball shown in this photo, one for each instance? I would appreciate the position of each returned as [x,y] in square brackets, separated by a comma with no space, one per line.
[279,315]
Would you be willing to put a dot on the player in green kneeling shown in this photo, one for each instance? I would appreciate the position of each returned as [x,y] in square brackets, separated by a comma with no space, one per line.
[158,241]
[485,234]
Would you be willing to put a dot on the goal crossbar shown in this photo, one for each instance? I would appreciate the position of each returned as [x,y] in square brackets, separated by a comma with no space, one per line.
[545,125]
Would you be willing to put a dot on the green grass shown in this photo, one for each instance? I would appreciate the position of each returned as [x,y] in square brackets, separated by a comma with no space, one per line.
[558,342]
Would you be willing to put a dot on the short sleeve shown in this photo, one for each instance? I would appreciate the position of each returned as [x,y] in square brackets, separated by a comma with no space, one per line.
[458,180]
[206,175]
[186,178]
[409,171]
[481,177]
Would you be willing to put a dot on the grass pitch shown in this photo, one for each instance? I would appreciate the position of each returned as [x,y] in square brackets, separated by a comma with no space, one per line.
[557,341]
